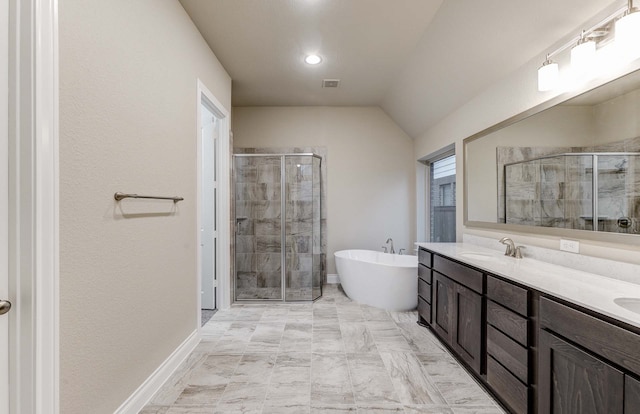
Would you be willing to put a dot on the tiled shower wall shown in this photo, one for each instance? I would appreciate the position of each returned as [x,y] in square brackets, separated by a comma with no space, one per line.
[551,192]
[258,212]
[558,191]
[258,228]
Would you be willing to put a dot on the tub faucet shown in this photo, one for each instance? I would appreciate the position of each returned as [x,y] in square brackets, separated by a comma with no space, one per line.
[511,247]
[385,249]
[390,242]
[400,251]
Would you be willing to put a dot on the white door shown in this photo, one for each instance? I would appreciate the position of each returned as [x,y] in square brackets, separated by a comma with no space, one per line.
[209,135]
[4,207]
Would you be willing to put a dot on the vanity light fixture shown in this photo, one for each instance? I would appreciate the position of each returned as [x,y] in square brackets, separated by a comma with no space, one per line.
[583,56]
[548,76]
[628,33]
[585,53]
[313,59]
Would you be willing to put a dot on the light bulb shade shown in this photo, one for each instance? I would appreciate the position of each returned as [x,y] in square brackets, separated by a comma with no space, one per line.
[548,77]
[583,57]
[628,36]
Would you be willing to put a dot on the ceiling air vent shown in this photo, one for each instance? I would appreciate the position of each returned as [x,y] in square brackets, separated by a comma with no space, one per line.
[330,83]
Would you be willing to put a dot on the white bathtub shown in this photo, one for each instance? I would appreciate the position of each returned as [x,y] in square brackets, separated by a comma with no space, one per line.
[387,281]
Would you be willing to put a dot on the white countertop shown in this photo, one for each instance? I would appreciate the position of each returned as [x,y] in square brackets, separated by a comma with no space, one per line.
[588,290]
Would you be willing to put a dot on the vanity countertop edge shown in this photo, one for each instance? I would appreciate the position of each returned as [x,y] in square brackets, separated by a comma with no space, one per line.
[588,290]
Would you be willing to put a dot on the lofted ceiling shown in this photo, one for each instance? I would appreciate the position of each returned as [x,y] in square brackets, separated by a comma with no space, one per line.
[417,59]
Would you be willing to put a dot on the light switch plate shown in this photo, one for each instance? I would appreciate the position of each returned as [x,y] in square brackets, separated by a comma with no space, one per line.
[572,246]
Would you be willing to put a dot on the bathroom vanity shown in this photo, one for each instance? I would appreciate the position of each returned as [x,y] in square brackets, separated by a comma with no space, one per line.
[542,338]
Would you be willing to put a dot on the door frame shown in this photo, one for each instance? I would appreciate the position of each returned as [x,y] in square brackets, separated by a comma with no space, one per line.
[33,209]
[223,246]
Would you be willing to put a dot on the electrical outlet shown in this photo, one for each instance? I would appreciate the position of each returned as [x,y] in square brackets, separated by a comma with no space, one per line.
[572,246]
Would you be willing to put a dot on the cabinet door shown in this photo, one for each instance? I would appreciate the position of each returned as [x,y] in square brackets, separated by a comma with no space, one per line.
[467,329]
[443,306]
[631,395]
[574,382]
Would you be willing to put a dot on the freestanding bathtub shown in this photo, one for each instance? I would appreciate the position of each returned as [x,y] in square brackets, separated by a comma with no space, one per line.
[387,281]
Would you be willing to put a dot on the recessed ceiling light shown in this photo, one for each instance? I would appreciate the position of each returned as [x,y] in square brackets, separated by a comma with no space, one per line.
[313,59]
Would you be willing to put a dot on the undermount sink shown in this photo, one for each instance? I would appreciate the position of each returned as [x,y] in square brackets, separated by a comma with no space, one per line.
[630,304]
[478,256]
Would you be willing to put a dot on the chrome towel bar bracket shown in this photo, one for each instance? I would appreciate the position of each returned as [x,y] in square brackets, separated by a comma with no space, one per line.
[119,196]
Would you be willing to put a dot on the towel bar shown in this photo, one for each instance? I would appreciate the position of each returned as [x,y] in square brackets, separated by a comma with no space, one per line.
[119,196]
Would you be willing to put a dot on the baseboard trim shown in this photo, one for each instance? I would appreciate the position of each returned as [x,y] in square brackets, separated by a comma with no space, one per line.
[151,385]
[333,279]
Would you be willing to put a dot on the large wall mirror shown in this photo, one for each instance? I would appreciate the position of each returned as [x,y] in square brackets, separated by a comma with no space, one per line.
[569,168]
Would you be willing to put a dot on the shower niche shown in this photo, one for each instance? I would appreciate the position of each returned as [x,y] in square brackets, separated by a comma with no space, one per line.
[278,232]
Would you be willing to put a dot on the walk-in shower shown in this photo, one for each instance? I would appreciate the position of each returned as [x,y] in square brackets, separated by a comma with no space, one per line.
[278,254]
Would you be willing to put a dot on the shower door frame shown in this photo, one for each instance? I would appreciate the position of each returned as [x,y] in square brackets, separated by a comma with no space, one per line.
[283,226]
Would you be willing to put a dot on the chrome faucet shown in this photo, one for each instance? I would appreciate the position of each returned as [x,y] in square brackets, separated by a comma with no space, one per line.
[511,247]
[400,251]
[512,250]
[385,249]
[390,242]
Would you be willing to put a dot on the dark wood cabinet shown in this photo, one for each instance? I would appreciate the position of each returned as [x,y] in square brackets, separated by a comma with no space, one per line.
[513,356]
[509,345]
[586,364]
[631,395]
[425,290]
[508,295]
[425,258]
[467,326]
[571,381]
[535,353]
[464,275]
[512,324]
[617,344]
[457,318]
[424,310]
[442,306]
[513,392]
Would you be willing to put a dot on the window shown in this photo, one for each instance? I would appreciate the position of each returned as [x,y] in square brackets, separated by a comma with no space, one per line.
[442,200]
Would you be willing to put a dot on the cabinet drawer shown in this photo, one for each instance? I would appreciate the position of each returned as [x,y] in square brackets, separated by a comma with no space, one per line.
[424,310]
[462,274]
[513,356]
[618,345]
[425,257]
[424,290]
[508,295]
[512,324]
[424,273]
[514,393]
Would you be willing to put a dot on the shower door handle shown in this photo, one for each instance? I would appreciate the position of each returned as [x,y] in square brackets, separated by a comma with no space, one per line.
[5,306]
[239,221]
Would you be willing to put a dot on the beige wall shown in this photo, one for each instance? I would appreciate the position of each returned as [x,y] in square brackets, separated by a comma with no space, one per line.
[370,168]
[128,76]
[513,95]
[618,119]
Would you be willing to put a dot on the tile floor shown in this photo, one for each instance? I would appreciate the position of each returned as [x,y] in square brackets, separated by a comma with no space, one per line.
[332,356]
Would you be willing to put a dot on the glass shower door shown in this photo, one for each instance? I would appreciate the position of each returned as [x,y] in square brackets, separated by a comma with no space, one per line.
[258,227]
[317,277]
[299,227]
